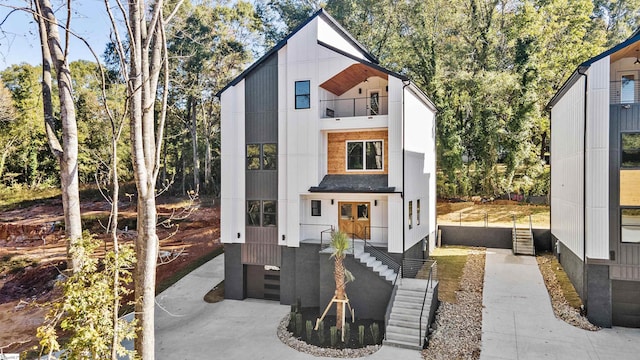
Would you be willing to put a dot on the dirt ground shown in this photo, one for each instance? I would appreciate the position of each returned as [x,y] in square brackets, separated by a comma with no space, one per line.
[498,213]
[33,253]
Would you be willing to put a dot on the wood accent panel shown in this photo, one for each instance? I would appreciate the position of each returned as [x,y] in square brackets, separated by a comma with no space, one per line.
[630,51]
[337,150]
[629,185]
[350,77]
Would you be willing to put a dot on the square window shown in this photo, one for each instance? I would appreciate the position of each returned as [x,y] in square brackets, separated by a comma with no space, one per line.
[253,157]
[630,150]
[269,156]
[253,212]
[269,213]
[365,155]
[630,226]
[303,94]
[316,208]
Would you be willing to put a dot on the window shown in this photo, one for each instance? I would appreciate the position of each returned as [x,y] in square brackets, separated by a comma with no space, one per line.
[262,212]
[374,103]
[630,226]
[364,155]
[410,214]
[262,157]
[269,213]
[630,150]
[316,208]
[418,212]
[303,94]
[627,89]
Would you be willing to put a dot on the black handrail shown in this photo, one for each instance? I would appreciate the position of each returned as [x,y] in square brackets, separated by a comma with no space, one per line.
[422,336]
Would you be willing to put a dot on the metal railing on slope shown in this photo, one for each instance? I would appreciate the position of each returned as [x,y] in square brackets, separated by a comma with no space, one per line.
[423,335]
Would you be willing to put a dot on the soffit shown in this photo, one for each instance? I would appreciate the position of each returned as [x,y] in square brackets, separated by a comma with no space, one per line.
[350,77]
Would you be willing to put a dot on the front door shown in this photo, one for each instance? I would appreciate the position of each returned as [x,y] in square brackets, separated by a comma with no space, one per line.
[354,219]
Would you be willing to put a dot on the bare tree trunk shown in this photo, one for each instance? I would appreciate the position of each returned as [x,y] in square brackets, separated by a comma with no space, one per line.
[207,116]
[194,145]
[116,247]
[67,154]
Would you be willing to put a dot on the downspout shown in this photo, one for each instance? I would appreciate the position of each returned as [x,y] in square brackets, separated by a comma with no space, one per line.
[584,191]
[405,83]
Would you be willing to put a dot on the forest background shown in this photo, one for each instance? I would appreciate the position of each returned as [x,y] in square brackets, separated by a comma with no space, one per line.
[490,66]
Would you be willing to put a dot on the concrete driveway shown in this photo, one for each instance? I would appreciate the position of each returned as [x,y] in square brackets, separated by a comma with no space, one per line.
[189,328]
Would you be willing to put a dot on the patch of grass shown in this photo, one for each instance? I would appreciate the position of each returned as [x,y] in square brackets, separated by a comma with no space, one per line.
[19,196]
[187,269]
[568,290]
[216,294]
[451,261]
[11,265]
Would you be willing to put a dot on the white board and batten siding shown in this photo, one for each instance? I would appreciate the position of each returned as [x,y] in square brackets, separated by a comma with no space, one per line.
[567,163]
[232,163]
[597,158]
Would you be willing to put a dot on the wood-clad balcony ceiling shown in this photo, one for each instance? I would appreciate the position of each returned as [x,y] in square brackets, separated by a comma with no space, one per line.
[631,51]
[350,77]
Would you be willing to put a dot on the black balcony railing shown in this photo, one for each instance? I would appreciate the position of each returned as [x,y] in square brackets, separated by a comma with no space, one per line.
[624,92]
[365,106]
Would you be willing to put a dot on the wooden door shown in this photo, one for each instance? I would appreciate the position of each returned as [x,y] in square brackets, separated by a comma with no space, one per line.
[354,219]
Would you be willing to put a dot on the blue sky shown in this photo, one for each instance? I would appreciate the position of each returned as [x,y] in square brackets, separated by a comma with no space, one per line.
[19,41]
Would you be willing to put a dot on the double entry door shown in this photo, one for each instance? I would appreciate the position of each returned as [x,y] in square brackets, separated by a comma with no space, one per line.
[354,219]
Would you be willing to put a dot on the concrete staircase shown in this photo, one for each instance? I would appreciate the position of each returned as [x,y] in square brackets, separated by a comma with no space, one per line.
[523,242]
[374,264]
[403,328]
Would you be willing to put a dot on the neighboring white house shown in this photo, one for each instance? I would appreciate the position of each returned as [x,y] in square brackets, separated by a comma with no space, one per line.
[595,182]
[317,136]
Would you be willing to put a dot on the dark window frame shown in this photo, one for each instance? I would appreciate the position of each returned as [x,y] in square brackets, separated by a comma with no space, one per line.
[418,212]
[262,162]
[364,145]
[622,150]
[637,208]
[316,208]
[304,94]
[261,214]
[410,214]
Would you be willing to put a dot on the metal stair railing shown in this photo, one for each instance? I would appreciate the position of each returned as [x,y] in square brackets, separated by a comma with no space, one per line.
[515,239]
[423,335]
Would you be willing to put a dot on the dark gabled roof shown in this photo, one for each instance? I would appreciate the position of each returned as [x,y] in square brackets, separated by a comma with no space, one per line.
[580,70]
[354,184]
[331,21]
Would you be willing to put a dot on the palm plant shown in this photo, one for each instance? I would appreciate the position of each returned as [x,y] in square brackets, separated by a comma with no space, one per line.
[340,245]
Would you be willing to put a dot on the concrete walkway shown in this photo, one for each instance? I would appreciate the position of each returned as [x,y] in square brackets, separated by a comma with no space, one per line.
[518,321]
[189,328]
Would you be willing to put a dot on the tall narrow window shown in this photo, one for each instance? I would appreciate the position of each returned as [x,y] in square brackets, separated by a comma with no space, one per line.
[269,156]
[253,213]
[365,155]
[303,94]
[253,157]
[418,212]
[627,89]
[410,214]
[316,209]
[269,213]
[374,103]
[630,226]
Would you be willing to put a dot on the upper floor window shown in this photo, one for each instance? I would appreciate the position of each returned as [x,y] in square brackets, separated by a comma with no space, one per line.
[630,225]
[365,155]
[316,208]
[418,212]
[262,156]
[630,150]
[410,214]
[303,94]
[262,212]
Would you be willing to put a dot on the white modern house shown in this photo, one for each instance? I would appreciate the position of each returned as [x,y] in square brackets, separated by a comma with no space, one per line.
[316,136]
[595,182]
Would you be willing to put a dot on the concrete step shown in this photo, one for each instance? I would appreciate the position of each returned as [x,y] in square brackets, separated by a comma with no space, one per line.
[409,317]
[408,299]
[402,344]
[406,326]
[413,312]
[407,338]
[410,293]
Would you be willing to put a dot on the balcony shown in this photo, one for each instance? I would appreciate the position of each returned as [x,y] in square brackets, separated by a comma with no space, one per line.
[351,107]
[624,92]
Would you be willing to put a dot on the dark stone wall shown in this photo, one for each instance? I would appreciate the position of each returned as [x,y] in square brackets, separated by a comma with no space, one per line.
[233,272]
[490,237]
[307,274]
[598,302]
[288,276]
[573,266]
[368,293]
[414,252]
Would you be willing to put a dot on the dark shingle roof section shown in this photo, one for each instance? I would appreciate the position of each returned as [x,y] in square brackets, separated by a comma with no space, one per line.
[354,184]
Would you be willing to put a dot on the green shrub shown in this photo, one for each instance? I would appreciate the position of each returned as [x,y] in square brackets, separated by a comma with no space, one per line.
[321,336]
[334,336]
[298,325]
[347,332]
[361,335]
[375,332]
[309,328]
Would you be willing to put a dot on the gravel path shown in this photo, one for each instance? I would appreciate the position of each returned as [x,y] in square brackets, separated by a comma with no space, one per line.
[458,327]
